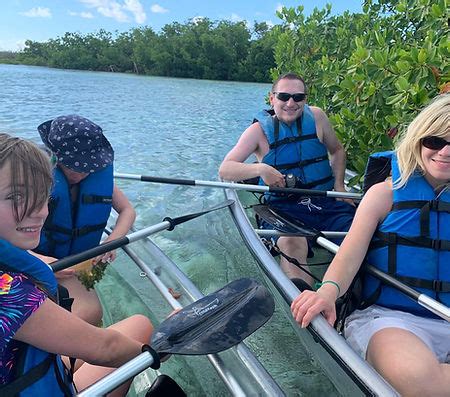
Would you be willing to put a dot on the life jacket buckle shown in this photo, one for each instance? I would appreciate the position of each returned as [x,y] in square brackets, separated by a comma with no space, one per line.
[436,244]
[437,285]
[433,205]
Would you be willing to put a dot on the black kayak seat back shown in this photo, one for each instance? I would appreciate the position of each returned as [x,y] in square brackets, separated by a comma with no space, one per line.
[165,386]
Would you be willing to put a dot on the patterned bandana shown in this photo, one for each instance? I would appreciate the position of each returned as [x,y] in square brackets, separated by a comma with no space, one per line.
[77,143]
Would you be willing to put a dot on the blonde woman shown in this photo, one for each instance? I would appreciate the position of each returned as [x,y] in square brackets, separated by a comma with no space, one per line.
[403,225]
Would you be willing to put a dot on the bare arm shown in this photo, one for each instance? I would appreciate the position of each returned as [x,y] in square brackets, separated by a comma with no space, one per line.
[372,210]
[126,212]
[55,330]
[125,220]
[252,141]
[328,137]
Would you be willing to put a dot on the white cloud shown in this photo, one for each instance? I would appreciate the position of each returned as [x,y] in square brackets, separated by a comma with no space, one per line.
[235,18]
[157,9]
[38,12]
[86,15]
[118,10]
[195,20]
[12,45]
[135,7]
[279,7]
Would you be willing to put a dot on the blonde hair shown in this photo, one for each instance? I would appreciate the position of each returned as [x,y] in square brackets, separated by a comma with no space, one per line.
[433,120]
[31,174]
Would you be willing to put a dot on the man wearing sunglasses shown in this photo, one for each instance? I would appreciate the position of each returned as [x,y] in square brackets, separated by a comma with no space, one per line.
[296,139]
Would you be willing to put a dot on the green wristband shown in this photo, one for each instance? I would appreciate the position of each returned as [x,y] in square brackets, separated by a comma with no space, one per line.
[318,285]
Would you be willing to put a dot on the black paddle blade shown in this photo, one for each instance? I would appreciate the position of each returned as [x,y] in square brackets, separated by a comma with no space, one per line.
[284,222]
[216,322]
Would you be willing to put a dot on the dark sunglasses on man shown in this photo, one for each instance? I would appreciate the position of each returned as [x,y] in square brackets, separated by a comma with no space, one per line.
[284,96]
[434,142]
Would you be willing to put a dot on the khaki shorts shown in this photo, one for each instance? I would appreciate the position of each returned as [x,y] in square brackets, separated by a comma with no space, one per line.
[361,325]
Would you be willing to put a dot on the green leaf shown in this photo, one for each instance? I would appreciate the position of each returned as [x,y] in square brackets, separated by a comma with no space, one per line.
[436,11]
[402,84]
[422,57]
[403,66]
[394,99]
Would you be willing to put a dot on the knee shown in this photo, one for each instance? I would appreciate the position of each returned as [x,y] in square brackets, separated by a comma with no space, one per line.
[89,310]
[91,313]
[292,244]
[142,326]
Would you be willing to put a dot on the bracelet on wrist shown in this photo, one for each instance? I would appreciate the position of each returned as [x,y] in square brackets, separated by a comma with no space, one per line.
[318,285]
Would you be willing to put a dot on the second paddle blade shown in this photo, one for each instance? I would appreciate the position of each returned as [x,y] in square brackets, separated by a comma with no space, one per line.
[216,322]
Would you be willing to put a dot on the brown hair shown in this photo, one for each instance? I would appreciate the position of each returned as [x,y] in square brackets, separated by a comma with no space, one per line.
[31,173]
[289,76]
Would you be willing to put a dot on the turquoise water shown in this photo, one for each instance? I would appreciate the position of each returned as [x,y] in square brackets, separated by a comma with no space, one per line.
[179,128]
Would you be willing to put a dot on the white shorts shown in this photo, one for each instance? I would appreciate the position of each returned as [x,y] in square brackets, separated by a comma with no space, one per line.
[361,325]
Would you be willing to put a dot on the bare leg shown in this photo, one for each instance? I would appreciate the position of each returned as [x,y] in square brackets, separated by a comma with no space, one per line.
[86,304]
[137,327]
[408,364]
[295,247]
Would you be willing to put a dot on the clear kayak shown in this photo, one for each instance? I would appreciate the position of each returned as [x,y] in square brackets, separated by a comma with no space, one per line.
[350,374]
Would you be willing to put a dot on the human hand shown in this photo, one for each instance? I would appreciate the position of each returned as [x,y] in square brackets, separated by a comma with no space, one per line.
[44,258]
[339,188]
[271,176]
[105,258]
[64,274]
[310,303]
[347,200]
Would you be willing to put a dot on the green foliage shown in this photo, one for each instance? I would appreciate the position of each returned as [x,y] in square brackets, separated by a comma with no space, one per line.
[201,48]
[371,72]
[90,277]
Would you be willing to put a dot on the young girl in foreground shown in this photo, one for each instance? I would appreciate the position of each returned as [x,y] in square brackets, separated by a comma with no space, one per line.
[405,343]
[34,330]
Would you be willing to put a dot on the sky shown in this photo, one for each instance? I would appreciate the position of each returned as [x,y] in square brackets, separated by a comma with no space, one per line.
[40,20]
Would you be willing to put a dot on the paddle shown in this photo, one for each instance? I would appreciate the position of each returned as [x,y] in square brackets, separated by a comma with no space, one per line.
[281,223]
[325,233]
[210,325]
[167,224]
[238,186]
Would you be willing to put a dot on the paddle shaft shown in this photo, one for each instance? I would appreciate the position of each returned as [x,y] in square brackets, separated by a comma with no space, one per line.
[119,376]
[108,246]
[423,300]
[168,223]
[238,186]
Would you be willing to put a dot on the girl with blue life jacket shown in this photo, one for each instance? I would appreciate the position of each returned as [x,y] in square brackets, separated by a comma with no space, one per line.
[81,200]
[37,335]
[294,138]
[403,225]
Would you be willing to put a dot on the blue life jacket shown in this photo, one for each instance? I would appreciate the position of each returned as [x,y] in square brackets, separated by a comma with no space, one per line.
[412,244]
[36,373]
[73,228]
[296,150]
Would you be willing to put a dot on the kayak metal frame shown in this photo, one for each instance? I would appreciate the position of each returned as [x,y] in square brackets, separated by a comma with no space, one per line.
[237,382]
[345,363]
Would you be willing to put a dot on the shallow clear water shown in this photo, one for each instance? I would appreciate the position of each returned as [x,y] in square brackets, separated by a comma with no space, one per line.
[179,128]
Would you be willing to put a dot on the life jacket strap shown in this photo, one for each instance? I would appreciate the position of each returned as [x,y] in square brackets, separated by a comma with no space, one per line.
[424,242]
[291,139]
[434,285]
[76,232]
[302,163]
[96,199]
[26,380]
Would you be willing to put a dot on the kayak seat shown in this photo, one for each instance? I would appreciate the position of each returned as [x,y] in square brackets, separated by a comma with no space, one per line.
[164,385]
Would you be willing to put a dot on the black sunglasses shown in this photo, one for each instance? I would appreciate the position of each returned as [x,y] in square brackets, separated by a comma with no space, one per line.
[284,96]
[434,142]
